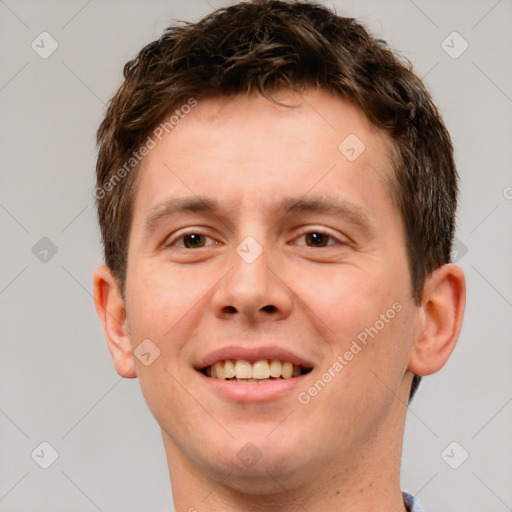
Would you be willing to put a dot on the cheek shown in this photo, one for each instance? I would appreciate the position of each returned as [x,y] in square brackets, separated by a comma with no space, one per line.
[361,378]
[158,300]
[353,298]
[368,332]
[164,309]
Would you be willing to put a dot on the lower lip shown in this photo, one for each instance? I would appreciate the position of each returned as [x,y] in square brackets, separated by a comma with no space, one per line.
[242,392]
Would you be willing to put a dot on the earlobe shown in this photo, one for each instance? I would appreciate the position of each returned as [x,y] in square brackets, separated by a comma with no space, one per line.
[442,311]
[111,311]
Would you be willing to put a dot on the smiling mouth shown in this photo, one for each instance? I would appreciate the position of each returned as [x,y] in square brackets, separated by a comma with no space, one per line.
[260,371]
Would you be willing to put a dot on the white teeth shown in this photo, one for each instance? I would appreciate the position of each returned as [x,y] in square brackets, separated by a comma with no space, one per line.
[287,370]
[229,369]
[218,368]
[275,368]
[243,369]
[261,370]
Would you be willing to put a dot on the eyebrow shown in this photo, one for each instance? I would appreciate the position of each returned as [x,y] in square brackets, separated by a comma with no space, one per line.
[332,205]
[170,207]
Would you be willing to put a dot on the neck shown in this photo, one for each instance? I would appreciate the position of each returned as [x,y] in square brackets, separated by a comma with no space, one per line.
[367,478]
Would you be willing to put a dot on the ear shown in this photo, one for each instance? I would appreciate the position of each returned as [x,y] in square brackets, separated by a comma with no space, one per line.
[442,311]
[111,311]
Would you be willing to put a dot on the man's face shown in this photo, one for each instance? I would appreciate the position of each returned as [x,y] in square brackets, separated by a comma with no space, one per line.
[251,281]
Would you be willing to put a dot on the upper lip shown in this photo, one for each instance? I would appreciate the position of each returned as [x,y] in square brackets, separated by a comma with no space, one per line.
[252,355]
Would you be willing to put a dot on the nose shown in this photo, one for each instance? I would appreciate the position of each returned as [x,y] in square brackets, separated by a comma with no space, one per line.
[254,290]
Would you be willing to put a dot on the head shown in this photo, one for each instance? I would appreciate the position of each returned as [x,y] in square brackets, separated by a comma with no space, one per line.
[256,106]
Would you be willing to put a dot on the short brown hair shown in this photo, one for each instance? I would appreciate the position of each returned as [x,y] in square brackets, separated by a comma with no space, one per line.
[265,46]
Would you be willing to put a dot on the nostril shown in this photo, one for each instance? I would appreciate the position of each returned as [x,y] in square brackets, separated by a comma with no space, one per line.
[270,308]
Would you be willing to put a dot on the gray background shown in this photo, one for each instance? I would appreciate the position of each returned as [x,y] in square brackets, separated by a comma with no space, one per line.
[56,377]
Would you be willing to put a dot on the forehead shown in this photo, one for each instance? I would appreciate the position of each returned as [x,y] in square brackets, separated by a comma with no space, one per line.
[235,148]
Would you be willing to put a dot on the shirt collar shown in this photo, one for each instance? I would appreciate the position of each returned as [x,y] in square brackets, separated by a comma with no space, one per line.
[412,503]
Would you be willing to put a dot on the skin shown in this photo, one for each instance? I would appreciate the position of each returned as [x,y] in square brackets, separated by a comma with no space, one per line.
[340,451]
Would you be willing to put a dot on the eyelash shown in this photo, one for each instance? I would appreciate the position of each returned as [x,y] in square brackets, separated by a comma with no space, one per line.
[311,231]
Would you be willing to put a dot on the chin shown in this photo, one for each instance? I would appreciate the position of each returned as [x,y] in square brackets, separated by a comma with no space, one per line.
[255,463]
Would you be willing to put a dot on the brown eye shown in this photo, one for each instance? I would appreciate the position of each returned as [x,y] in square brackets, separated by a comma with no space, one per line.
[317,239]
[193,240]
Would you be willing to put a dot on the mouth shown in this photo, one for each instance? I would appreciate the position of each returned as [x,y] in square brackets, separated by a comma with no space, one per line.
[257,372]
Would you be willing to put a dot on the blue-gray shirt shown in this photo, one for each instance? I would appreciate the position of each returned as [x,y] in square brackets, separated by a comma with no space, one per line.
[412,504]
